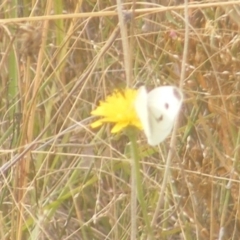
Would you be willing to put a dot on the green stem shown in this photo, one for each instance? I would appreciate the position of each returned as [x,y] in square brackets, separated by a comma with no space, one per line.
[137,191]
[133,203]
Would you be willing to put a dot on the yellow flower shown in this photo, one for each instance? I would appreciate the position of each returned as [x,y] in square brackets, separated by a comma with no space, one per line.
[119,109]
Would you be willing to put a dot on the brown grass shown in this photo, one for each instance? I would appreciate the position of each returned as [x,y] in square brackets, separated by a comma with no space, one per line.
[62,180]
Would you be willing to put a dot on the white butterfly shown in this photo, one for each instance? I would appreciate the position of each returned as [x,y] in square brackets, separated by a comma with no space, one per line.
[157,111]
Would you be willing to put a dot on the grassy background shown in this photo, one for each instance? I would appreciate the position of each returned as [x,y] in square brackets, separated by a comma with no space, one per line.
[58,59]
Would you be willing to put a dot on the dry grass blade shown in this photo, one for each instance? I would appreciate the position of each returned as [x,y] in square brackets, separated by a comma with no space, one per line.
[60,179]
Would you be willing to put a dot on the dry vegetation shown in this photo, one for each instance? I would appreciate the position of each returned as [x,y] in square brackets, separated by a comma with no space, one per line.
[67,181]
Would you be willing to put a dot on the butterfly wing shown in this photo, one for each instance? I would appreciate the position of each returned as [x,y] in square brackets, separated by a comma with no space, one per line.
[141,107]
[164,104]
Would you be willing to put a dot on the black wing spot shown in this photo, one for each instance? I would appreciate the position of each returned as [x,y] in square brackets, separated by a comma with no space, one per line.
[177,94]
[166,105]
[160,118]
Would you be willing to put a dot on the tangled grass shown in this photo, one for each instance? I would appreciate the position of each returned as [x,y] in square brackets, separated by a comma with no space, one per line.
[60,179]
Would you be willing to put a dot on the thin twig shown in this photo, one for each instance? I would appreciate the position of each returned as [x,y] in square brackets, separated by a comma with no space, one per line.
[173,139]
[156,8]
[124,40]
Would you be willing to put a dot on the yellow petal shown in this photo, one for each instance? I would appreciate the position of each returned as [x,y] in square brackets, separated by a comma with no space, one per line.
[96,124]
[119,109]
[118,127]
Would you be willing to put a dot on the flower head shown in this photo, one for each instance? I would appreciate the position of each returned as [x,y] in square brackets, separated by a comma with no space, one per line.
[118,109]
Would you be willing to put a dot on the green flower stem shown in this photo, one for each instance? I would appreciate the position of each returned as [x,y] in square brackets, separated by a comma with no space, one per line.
[137,191]
[133,201]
